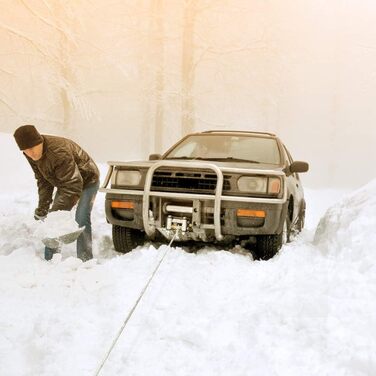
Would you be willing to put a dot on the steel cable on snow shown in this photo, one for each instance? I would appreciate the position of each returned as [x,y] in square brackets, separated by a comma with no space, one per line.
[133,308]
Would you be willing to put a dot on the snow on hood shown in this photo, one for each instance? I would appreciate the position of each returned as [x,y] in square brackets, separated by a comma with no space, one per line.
[349,227]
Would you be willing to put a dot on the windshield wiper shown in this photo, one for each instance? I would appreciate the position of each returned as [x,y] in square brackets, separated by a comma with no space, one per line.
[192,158]
[232,159]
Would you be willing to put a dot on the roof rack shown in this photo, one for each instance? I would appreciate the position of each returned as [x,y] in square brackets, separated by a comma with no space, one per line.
[230,131]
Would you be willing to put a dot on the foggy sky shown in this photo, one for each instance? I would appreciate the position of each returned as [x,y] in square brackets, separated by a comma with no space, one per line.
[106,72]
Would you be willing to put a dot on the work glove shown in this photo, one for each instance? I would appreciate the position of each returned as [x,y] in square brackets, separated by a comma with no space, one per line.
[39,215]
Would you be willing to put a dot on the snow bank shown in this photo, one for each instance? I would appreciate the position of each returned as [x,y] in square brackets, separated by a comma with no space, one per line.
[318,201]
[348,228]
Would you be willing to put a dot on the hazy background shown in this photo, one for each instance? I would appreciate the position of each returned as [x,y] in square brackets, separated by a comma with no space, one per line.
[127,78]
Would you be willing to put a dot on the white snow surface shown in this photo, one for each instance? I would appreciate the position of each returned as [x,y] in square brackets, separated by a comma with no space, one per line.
[308,311]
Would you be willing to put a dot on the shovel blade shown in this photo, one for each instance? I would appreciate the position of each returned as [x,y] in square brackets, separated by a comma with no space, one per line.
[63,239]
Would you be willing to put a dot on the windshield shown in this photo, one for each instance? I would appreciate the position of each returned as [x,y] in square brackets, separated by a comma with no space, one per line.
[226,147]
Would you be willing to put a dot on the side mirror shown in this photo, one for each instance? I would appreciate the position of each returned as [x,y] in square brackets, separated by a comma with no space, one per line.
[154,157]
[298,167]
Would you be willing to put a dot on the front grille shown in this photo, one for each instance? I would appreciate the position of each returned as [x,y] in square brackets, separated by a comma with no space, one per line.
[187,181]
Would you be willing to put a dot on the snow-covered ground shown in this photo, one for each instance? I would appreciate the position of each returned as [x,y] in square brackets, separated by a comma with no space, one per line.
[311,310]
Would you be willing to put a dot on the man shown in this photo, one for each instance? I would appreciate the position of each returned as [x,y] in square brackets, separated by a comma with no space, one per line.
[61,163]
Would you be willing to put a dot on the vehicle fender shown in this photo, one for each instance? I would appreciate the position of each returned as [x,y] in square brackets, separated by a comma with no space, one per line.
[283,215]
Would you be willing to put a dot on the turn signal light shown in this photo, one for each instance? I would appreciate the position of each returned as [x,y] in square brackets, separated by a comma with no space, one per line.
[274,185]
[122,205]
[250,213]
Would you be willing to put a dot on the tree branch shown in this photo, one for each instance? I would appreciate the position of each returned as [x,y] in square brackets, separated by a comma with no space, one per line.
[35,45]
[47,22]
[6,72]
[7,105]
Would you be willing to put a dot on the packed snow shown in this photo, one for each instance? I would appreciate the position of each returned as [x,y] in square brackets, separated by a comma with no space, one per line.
[348,227]
[308,311]
[56,224]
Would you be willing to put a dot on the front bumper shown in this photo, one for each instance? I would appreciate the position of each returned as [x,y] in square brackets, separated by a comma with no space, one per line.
[231,223]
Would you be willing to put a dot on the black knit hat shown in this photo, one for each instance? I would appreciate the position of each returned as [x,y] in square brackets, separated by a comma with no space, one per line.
[27,137]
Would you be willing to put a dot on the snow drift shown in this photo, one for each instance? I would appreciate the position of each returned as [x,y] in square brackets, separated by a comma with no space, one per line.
[348,229]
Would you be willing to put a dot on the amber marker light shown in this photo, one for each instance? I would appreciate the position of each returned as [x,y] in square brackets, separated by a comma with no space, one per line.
[274,185]
[250,213]
[122,204]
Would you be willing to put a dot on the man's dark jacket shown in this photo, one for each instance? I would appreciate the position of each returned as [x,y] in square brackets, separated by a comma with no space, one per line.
[66,166]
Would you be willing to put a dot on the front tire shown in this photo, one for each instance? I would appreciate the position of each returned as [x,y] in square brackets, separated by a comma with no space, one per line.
[126,239]
[267,246]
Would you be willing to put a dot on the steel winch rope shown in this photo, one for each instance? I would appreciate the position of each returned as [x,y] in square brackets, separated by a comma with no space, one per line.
[130,314]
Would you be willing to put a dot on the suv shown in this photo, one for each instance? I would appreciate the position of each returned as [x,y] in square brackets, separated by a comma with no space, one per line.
[213,187]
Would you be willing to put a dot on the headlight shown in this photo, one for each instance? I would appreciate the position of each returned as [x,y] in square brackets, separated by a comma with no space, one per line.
[124,177]
[253,184]
[260,185]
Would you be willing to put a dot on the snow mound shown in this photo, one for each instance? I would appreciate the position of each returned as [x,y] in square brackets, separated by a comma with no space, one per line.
[56,224]
[349,227]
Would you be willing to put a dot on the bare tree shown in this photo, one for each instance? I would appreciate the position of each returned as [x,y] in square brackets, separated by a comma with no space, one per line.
[188,64]
[197,47]
[62,18]
[157,47]
[150,30]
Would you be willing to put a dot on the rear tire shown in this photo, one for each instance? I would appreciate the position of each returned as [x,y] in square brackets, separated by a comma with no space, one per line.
[126,239]
[301,218]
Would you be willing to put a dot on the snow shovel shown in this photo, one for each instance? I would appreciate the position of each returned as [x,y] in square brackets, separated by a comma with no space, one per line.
[55,243]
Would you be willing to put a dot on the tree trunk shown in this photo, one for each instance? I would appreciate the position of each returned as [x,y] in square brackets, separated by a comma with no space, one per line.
[187,107]
[65,74]
[157,9]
